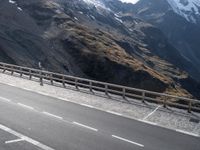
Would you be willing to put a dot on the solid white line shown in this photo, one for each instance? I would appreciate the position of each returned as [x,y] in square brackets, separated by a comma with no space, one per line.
[14,141]
[52,115]
[115,113]
[25,106]
[126,140]
[188,133]
[25,138]
[63,99]
[90,106]
[5,99]
[27,89]
[151,113]
[85,126]
[43,93]
[148,122]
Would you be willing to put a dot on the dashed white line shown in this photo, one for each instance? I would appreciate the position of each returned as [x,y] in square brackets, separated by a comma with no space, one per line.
[5,99]
[151,113]
[86,105]
[188,133]
[25,138]
[52,115]
[129,141]
[115,113]
[14,141]
[85,126]
[25,106]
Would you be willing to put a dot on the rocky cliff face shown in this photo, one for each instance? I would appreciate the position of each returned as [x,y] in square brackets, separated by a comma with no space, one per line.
[90,40]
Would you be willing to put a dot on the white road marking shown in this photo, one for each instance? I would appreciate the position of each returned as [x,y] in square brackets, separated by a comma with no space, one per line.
[115,113]
[5,99]
[14,141]
[188,133]
[151,113]
[43,93]
[148,122]
[63,99]
[85,126]
[52,115]
[25,138]
[86,105]
[27,89]
[126,140]
[25,106]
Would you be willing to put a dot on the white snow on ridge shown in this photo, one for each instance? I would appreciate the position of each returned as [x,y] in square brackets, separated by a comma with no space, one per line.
[96,3]
[12,2]
[187,10]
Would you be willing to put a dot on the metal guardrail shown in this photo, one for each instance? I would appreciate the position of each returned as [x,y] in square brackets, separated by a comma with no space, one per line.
[107,88]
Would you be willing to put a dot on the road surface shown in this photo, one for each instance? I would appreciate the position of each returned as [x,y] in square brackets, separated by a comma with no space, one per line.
[30,121]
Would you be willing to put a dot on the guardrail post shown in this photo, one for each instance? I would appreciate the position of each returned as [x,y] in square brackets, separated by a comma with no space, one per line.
[63,81]
[190,106]
[165,103]
[4,68]
[124,93]
[41,80]
[90,82]
[30,76]
[143,97]
[12,68]
[20,71]
[51,78]
[106,89]
[76,83]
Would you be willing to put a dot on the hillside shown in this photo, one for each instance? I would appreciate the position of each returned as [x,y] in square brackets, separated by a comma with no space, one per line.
[93,41]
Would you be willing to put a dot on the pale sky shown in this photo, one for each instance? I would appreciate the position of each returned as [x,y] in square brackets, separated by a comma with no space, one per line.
[130,1]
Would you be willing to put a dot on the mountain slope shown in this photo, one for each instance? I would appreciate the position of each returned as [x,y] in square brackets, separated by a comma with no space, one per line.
[87,40]
[177,24]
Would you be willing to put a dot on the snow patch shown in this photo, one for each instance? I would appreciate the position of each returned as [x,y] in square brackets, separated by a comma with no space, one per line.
[186,8]
[12,2]
[19,8]
[96,3]
[118,19]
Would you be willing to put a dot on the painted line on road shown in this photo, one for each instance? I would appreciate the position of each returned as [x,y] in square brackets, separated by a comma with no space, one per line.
[14,141]
[188,133]
[5,99]
[86,105]
[25,138]
[151,113]
[28,89]
[126,140]
[115,113]
[85,126]
[64,99]
[148,122]
[25,106]
[52,115]
[43,93]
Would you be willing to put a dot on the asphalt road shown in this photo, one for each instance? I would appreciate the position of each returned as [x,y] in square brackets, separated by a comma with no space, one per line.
[30,121]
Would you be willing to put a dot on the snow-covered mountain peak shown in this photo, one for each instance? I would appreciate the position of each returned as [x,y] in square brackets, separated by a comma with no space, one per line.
[188,9]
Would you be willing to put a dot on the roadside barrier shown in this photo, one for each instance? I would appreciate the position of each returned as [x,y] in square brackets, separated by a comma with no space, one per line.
[127,93]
